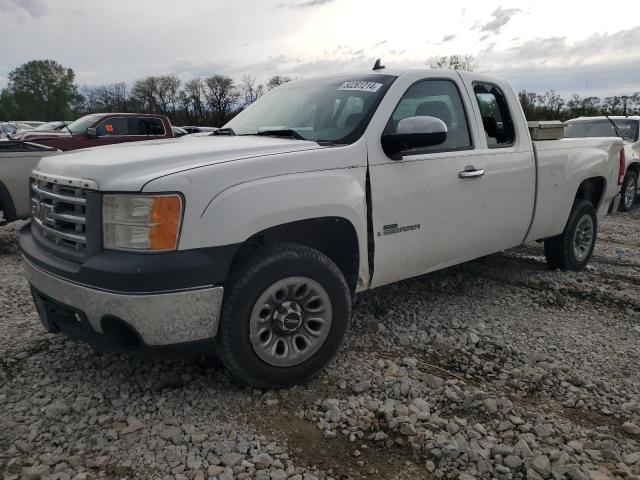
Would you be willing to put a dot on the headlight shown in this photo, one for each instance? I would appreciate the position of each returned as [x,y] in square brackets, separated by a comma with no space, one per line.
[141,222]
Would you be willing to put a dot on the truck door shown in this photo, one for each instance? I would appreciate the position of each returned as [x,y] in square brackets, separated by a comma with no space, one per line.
[510,165]
[429,206]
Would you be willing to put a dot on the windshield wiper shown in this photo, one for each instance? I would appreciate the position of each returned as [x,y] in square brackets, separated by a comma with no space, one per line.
[283,132]
[224,131]
[615,127]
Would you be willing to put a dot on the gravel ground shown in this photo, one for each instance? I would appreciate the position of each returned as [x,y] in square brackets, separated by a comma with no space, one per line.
[498,368]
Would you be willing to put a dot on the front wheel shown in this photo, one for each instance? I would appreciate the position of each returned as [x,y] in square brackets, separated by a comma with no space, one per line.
[572,249]
[285,316]
[629,191]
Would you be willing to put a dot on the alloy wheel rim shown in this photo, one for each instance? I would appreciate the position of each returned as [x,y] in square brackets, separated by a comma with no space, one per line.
[583,237]
[630,194]
[290,321]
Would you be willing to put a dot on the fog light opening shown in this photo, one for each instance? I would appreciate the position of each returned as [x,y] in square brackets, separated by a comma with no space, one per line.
[119,334]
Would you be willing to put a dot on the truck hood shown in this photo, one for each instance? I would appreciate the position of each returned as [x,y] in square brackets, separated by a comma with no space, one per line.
[33,136]
[129,166]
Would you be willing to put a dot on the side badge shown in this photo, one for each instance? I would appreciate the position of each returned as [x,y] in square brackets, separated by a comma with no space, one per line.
[394,228]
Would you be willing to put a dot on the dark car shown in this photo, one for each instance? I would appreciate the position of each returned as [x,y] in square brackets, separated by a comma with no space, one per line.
[56,126]
[179,132]
[103,129]
[198,129]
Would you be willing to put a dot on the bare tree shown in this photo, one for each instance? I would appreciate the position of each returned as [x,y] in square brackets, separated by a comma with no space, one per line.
[145,94]
[105,98]
[222,96]
[168,90]
[250,91]
[465,63]
[194,100]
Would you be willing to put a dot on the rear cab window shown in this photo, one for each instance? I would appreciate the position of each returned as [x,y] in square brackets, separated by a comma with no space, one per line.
[438,98]
[601,127]
[497,121]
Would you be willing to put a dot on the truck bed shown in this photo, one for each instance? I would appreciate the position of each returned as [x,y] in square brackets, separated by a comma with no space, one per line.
[560,166]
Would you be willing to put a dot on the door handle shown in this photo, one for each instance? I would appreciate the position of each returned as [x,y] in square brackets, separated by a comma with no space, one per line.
[470,172]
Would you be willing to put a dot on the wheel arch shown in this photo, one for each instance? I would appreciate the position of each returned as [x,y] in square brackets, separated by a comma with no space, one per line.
[592,189]
[335,237]
[634,167]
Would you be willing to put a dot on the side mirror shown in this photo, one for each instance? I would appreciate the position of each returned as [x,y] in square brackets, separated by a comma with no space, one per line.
[92,132]
[415,132]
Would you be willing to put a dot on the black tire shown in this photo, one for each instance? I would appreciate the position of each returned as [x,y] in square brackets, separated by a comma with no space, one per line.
[248,281]
[627,201]
[559,250]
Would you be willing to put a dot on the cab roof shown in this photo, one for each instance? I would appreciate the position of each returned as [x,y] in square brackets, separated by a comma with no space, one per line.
[602,117]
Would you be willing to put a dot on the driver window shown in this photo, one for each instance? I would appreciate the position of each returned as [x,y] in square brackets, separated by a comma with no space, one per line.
[113,127]
[440,99]
[496,119]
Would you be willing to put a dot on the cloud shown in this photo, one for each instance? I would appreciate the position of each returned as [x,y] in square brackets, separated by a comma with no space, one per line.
[448,38]
[600,61]
[557,51]
[501,17]
[22,8]
[306,4]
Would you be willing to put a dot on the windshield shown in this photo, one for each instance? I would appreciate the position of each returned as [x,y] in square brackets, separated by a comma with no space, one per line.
[7,128]
[48,126]
[80,125]
[628,129]
[334,109]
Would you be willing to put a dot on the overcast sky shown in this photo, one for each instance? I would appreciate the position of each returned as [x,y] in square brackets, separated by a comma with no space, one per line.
[538,45]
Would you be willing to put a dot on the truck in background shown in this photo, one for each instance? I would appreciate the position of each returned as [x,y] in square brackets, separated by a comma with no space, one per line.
[627,128]
[101,129]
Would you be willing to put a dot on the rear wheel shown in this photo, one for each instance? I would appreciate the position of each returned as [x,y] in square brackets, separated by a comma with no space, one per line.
[572,249]
[284,317]
[629,191]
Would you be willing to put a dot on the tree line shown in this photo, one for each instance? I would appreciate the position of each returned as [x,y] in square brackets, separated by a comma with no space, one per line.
[45,90]
[551,106]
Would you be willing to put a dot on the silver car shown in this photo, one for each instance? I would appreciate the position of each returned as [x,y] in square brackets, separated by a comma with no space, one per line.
[17,159]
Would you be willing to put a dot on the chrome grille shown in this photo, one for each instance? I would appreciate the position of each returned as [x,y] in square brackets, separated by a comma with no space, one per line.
[59,212]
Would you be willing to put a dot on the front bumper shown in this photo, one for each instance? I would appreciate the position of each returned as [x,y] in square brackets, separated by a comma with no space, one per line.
[157,319]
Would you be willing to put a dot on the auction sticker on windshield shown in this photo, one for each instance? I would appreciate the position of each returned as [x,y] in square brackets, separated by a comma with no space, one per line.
[361,86]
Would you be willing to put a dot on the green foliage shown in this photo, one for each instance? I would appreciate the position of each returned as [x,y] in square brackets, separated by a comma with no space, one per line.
[40,89]
[277,80]
[551,106]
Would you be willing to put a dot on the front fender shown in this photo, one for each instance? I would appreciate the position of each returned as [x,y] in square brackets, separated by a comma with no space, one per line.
[243,210]
[228,203]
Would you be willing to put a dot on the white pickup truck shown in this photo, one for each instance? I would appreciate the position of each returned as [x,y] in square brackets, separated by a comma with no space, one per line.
[253,241]
[627,128]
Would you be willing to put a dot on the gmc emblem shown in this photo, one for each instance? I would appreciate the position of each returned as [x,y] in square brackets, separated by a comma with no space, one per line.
[43,212]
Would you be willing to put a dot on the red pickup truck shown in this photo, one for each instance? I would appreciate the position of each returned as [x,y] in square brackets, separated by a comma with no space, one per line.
[102,129]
